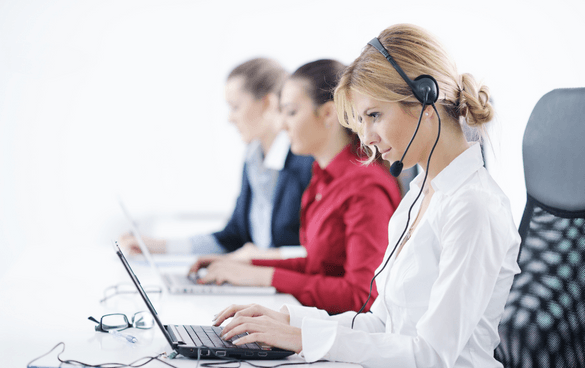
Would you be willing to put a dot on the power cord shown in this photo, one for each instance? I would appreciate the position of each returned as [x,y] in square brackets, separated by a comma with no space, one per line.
[136,363]
[101,365]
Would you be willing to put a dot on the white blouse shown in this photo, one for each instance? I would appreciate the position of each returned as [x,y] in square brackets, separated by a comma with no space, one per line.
[440,301]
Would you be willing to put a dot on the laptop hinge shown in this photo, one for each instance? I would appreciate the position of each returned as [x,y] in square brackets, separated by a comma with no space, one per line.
[178,336]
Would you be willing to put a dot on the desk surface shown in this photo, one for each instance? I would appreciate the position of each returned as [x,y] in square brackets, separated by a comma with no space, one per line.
[48,294]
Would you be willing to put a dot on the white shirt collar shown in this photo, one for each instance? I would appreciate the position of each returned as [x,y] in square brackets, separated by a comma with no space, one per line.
[452,176]
[276,156]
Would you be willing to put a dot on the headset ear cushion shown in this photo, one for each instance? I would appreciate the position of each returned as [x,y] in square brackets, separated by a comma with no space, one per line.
[426,89]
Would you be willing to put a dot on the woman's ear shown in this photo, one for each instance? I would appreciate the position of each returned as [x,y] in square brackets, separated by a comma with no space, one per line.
[328,113]
[270,103]
[429,112]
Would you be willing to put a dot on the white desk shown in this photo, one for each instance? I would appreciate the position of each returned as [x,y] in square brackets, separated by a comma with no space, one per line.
[46,297]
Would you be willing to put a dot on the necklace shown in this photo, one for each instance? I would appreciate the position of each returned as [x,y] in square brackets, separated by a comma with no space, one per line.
[406,237]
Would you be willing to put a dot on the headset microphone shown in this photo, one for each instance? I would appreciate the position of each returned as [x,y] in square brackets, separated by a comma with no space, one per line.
[424,87]
[396,168]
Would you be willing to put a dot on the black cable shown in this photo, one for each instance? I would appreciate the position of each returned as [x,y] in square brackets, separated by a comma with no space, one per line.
[409,210]
[101,365]
[134,364]
[240,361]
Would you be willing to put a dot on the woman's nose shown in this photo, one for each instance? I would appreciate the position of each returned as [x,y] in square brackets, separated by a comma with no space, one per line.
[283,123]
[231,117]
[370,137]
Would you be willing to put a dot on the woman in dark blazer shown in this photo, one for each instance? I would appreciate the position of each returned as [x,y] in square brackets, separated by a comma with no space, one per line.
[267,211]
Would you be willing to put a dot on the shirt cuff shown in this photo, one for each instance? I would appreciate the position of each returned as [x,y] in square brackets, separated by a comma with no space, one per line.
[297,313]
[292,251]
[178,246]
[318,337]
[198,244]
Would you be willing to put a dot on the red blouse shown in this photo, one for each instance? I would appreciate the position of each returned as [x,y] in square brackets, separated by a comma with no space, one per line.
[344,227]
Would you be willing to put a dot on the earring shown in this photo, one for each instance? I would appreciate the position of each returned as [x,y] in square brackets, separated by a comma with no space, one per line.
[426,113]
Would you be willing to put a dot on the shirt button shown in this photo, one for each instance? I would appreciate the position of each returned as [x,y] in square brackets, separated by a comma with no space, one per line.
[318,197]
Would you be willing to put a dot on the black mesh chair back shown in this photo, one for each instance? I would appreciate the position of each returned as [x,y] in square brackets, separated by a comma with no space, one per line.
[544,319]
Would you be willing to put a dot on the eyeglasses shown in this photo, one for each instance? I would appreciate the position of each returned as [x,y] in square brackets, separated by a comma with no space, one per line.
[119,321]
[128,289]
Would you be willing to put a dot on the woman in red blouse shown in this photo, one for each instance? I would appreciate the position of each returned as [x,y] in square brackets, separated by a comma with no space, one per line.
[344,211]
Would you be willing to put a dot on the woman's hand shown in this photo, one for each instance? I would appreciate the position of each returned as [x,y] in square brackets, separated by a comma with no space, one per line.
[205,261]
[244,254]
[251,310]
[129,243]
[263,325]
[250,251]
[237,273]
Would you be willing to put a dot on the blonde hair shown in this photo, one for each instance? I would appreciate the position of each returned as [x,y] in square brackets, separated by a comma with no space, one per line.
[417,52]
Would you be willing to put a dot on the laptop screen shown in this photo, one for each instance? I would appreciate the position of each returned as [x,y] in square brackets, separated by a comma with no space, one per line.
[142,293]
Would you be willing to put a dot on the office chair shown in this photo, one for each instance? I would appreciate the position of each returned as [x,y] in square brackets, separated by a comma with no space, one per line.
[544,319]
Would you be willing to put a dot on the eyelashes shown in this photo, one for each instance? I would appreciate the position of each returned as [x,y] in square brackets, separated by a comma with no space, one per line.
[374,115]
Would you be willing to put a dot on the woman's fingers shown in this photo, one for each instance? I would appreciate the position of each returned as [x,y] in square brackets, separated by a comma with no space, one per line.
[216,273]
[227,313]
[250,310]
[203,262]
[243,314]
[265,330]
[243,325]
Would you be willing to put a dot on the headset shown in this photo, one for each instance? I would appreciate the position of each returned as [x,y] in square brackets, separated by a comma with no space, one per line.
[426,89]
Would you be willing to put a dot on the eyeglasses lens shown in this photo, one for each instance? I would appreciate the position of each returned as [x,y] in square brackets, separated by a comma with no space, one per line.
[112,322]
[143,320]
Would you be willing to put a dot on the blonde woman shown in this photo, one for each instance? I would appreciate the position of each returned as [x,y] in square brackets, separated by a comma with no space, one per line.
[453,244]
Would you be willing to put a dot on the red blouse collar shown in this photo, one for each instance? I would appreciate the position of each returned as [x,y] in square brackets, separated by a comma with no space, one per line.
[337,166]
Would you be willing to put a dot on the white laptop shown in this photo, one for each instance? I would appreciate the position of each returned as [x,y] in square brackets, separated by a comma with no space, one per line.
[180,283]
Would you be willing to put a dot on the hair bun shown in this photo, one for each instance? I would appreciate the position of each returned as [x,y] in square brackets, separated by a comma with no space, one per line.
[474,101]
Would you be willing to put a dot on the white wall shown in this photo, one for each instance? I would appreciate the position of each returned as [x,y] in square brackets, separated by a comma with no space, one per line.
[100,98]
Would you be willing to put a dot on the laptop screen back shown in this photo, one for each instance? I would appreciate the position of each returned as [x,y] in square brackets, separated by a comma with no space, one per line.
[142,293]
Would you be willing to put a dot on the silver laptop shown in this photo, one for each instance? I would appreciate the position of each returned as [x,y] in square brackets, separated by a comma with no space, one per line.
[180,283]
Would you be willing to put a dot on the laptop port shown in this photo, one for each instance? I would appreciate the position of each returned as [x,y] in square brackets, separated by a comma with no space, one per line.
[220,353]
[262,354]
[205,352]
[249,353]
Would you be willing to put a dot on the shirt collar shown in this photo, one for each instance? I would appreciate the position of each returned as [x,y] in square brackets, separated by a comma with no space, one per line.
[459,170]
[275,158]
[338,165]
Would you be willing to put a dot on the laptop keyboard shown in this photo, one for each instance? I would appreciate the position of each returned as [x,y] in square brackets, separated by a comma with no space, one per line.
[209,336]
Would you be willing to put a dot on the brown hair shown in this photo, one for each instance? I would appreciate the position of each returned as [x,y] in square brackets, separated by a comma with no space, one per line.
[322,77]
[417,52]
[261,76]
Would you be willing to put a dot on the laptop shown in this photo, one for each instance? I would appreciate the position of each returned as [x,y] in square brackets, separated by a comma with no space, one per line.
[202,341]
[180,283]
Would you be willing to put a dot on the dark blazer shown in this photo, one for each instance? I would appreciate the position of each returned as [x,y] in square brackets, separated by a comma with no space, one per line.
[291,183]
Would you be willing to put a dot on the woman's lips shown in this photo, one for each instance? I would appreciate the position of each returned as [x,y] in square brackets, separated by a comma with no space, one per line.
[385,152]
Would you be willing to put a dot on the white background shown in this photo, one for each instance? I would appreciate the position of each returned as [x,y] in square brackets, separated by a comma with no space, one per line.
[125,97]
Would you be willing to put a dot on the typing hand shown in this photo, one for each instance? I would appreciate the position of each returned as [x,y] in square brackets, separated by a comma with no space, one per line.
[250,251]
[237,273]
[251,310]
[262,325]
[129,243]
[204,262]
